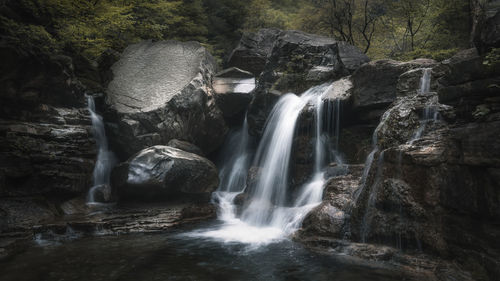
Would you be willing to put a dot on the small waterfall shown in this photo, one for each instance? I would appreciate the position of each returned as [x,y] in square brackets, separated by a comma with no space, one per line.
[268,215]
[105,159]
[425,81]
[233,174]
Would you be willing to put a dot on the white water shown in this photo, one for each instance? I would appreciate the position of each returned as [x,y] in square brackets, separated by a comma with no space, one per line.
[105,158]
[425,81]
[269,216]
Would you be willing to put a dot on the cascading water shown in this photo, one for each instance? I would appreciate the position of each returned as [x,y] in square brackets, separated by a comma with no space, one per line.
[268,216]
[425,81]
[105,158]
[233,175]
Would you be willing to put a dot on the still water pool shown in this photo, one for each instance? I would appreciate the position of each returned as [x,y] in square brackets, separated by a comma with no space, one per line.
[178,255]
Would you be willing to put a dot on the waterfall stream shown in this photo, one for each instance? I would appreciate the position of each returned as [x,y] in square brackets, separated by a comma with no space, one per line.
[268,214]
[105,159]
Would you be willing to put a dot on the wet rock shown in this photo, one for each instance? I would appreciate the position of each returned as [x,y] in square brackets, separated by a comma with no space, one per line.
[298,61]
[163,173]
[185,146]
[171,97]
[330,217]
[375,85]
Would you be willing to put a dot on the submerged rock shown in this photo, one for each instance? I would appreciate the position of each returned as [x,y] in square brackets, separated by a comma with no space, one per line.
[161,91]
[163,173]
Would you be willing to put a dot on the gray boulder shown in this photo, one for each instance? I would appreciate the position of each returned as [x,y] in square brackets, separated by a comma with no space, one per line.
[163,173]
[161,91]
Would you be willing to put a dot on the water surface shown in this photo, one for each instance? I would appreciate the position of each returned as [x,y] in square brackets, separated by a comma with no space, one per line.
[179,256]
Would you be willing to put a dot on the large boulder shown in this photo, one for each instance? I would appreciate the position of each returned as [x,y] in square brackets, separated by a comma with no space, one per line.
[253,50]
[161,91]
[297,62]
[163,173]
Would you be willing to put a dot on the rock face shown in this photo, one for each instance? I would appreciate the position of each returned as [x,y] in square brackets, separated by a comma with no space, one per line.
[253,50]
[375,85]
[233,89]
[169,97]
[296,62]
[160,173]
[46,144]
[47,151]
[433,181]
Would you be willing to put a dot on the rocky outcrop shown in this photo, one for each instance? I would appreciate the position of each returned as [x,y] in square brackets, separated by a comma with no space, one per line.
[163,173]
[46,144]
[169,98]
[296,62]
[233,90]
[432,184]
[375,86]
[253,50]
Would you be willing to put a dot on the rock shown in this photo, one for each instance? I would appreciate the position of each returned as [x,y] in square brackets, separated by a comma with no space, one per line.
[297,62]
[102,193]
[46,158]
[253,50]
[330,217]
[465,83]
[163,173]
[375,85]
[233,89]
[169,98]
[185,146]
[351,56]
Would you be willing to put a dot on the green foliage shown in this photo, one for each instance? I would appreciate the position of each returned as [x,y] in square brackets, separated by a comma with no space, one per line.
[31,38]
[402,29]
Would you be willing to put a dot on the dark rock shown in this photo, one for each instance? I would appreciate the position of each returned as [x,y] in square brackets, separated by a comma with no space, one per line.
[375,85]
[233,89]
[253,50]
[185,146]
[169,98]
[329,218]
[297,62]
[162,173]
[466,84]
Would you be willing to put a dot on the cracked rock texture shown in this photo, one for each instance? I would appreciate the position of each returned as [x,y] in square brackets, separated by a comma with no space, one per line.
[162,91]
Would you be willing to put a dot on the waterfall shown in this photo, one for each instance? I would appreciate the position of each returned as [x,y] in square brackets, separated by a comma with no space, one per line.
[105,159]
[269,215]
[425,81]
[233,174]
